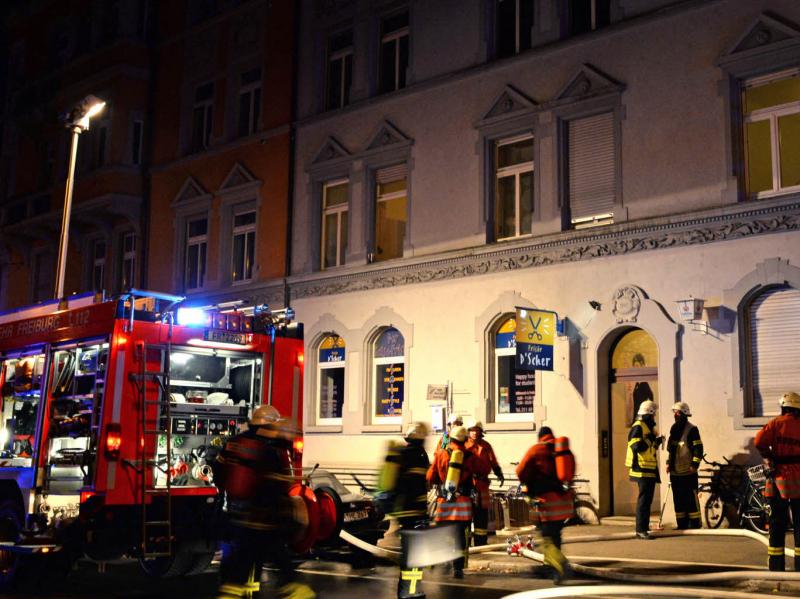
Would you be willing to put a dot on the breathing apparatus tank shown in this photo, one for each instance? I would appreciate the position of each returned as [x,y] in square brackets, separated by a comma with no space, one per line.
[565,461]
[454,471]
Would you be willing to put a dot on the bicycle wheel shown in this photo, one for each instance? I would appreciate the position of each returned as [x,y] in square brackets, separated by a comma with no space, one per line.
[755,513]
[714,511]
[586,513]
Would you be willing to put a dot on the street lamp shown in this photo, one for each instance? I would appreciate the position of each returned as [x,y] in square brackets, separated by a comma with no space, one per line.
[77,121]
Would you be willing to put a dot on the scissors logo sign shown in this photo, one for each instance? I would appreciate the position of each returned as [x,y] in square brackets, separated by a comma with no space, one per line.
[535,335]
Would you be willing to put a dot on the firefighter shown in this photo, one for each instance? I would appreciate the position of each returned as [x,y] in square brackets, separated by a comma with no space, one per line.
[485,462]
[538,472]
[684,452]
[453,469]
[254,469]
[453,421]
[402,483]
[779,444]
[642,461]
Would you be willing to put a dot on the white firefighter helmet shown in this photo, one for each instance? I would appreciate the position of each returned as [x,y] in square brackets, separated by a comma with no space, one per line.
[682,407]
[790,399]
[474,424]
[264,414]
[459,433]
[417,431]
[647,407]
[455,419]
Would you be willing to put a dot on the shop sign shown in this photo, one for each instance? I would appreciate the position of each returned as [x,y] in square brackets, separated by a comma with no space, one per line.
[536,330]
[437,393]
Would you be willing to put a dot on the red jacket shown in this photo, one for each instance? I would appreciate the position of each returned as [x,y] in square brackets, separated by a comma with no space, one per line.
[537,471]
[779,440]
[437,473]
[485,462]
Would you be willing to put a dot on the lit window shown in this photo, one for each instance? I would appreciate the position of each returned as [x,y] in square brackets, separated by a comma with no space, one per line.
[128,261]
[98,273]
[514,19]
[388,384]
[244,240]
[513,390]
[514,190]
[390,213]
[394,53]
[334,223]
[202,113]
[330,380]
[196,249]
[588,15]
[340,70]
[771,107]
[249,101]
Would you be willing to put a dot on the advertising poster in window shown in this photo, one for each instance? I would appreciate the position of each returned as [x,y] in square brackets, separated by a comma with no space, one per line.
[390,389]
[535,335]
[517,389]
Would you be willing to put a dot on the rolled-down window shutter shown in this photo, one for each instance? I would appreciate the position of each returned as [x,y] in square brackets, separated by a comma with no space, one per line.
[390,173]
[592,166]
[774,350]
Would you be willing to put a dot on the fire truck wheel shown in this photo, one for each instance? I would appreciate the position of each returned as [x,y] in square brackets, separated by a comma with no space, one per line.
[178,564]
[10,525]
[200,562]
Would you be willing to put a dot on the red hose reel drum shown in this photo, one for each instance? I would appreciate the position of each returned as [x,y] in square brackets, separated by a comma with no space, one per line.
[307,512]
[328,515]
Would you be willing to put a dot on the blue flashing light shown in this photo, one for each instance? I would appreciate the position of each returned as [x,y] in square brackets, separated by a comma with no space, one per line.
[192,317]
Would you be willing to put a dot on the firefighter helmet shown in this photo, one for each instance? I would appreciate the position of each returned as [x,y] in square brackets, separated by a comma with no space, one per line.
[682,407]
[264,414]
[647,407]
[475,424]
[455,419]
[417,431]
[459,433]
[790,399]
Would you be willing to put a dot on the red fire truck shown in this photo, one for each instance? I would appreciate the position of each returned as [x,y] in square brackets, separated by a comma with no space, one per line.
[111,413]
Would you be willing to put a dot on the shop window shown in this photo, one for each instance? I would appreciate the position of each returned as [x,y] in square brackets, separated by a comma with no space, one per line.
[390,212]
[514,25]
[335,196]
[330,380]
[514,187]
[196,251]
[244,239]
[21,393]
[388,371]
[771,329]
[249,101]
[202,114]
[591,170]
[771,112]
[393,53]
[513,391]
[340,70]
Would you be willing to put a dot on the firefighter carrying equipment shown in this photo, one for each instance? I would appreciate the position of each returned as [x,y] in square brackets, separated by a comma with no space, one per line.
[565,461]
[779,441]
[454,472]
[402,489]
[641,454]
[790,400]
[537,471]
[684,449]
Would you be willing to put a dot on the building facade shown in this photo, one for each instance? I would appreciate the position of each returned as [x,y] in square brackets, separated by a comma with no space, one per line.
[599,159]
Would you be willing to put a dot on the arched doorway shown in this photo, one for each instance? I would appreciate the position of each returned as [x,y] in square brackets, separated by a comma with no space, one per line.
[632,378]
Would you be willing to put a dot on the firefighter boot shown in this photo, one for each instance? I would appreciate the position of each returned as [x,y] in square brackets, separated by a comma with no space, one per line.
[296,590]
[252,586]
[776,559]
[410,584]
[555,559]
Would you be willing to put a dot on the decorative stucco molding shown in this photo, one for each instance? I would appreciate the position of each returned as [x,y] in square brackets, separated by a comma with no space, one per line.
[573,246]
[625,304]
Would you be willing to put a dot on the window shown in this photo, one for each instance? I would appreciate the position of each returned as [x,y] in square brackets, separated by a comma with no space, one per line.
[592,167]
[390,212]
[249,101]
[127,270]
[514,19]
[330,382]
[244,239]
[513,391]
[340,70]
[771,107]
[202,114]
[514,188]
[98,265]
[588,15]
[772,324]
[42,276]
[388,376]
[137,134]
[196,249]
[394,53]
[334,222]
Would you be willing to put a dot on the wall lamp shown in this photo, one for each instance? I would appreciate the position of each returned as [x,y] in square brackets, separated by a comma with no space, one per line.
[595,305]
[691,310]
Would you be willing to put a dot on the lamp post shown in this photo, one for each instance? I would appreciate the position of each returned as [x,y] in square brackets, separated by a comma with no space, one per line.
[77,121]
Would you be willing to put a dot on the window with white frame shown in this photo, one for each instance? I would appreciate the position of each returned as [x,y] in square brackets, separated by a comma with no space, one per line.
[514,187]
[393,53]
[244,242]
[771,109]
[514,25]
[196,250]
[771,329]
[334,222]
[137,136]
[202,114]
[98,265]
[591,170]
[588,15]
[249,101]
[340,70]
[388,377]
[513,391]
[390,212]
[330,379]
[127,264]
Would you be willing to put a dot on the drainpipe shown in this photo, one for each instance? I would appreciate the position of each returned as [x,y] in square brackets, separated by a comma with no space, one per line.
[147,139]
[287,295]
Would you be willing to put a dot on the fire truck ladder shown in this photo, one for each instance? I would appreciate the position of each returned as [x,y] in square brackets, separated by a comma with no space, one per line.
[156,525]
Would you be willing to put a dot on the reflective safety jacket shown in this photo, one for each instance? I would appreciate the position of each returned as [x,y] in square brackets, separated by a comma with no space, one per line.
[779,440]
[404,479]
[537,471]
[485,462]
[684,449]
[458,507]
[641,458]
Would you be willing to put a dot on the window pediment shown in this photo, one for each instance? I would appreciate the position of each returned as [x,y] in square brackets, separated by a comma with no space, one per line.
[510,102]
[387,135]
[766,31]
[588,81]
[190,192]
[331,150]
[238,177]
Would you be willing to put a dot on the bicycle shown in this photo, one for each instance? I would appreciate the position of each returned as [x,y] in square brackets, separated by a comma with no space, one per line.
[736,496]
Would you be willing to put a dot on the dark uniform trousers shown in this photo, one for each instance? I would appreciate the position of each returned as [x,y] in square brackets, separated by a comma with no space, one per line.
[687,507]
[410,583]
[480,518]
[552,530]
[244,558]
[778,523]
[647,488]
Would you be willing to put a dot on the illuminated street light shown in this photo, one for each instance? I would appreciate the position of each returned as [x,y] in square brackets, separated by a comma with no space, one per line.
[77,121]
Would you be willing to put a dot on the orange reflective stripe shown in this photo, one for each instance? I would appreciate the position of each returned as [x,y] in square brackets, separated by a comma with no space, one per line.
[459,510]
